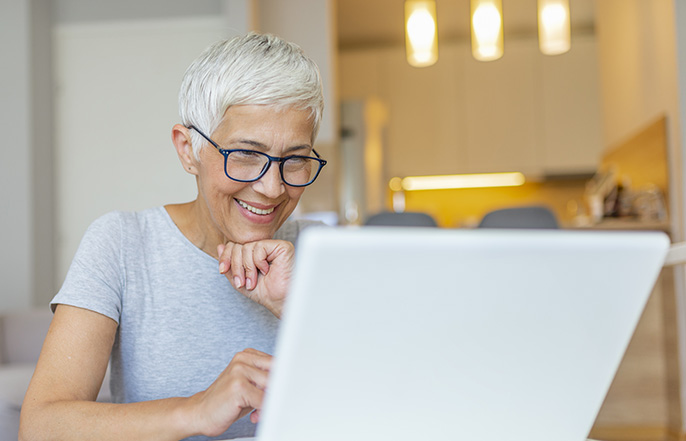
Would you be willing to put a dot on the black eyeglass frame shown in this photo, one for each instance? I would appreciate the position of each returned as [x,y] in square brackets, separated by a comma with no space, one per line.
[227,152]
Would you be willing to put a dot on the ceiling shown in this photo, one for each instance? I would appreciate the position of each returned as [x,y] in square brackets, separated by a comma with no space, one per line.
[381,22]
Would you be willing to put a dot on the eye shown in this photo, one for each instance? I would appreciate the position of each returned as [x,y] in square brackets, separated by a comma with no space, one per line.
[247,158]
[246,154]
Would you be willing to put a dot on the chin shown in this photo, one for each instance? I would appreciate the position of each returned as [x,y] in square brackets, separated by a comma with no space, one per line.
[255,236]
[254,232]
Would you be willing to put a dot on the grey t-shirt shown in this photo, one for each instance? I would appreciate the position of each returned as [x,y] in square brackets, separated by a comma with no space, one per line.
[180,321]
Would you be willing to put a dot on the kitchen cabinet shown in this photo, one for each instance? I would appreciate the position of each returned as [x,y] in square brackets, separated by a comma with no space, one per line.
[427,116]
[501,106]
[570,126]
[525,112]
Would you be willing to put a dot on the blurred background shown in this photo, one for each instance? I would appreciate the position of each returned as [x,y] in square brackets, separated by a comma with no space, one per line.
[594,134]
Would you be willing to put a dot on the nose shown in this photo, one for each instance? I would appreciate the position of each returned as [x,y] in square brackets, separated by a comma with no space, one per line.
[271,185]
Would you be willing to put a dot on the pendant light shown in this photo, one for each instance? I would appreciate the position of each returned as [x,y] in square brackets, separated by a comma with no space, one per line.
[553,26]
[487,29]
[421,36]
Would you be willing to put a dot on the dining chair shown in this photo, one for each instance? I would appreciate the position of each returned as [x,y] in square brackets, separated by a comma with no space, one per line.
[534,217]
[404,219]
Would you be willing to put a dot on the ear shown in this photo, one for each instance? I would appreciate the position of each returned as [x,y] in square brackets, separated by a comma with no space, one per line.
[181,138]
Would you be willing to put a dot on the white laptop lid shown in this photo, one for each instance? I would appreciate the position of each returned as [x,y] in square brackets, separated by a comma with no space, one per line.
[426,334]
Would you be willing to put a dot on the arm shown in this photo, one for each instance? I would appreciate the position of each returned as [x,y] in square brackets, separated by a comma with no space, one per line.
[59,403]
[259,270]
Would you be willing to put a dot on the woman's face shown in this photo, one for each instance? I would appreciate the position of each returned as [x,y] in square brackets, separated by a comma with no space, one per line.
[245,212]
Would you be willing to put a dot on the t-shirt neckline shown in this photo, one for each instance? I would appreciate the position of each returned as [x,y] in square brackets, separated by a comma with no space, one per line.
[182,237]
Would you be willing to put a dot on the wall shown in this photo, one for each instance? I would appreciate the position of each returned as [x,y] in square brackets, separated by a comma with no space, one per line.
[15,174]
[80,11]
[117,86]
[26,222]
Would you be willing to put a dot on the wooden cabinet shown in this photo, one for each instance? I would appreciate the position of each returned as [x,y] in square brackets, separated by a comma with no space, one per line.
[525,112]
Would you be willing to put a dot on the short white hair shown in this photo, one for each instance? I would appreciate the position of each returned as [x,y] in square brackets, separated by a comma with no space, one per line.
[252,69]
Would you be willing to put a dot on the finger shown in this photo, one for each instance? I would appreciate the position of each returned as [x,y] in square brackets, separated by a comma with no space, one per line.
[253,357]
[248,385]
[237,273]
[255,416]
[250,397]
[249,267]
[256,376]
[261,258]
[280,250]
[224,261]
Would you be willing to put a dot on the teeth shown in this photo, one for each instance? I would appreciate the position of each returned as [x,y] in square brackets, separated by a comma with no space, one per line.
[255,210]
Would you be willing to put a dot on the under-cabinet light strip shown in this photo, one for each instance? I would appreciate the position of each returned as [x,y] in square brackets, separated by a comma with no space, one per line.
[442,182]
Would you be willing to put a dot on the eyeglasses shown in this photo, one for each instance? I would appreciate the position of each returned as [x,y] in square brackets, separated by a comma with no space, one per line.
[244,165]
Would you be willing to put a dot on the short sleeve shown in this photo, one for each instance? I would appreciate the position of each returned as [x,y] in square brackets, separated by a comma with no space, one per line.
[95,278]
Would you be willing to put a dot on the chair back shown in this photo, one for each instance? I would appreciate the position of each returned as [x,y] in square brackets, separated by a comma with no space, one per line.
[535,217]
[405,219]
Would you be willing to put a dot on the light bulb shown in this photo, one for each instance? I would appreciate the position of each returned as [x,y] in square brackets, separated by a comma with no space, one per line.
[421,39]
[553,26]
[487,29]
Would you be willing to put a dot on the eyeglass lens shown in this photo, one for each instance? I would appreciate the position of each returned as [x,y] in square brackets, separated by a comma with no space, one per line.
[246,165]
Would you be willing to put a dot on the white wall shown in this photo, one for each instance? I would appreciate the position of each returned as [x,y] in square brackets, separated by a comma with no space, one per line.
[26,220]
[91,11]
[15,167]
[116,102]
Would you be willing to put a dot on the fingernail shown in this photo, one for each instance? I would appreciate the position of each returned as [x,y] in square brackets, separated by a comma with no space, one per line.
[237,282]
[248,283]
[222,268]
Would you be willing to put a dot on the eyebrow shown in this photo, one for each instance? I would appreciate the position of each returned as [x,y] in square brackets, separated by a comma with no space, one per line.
[263,147]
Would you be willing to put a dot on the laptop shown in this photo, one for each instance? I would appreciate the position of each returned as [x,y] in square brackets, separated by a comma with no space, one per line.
[402,334]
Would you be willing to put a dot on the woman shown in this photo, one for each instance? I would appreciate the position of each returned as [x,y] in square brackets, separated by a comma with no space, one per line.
[185,298]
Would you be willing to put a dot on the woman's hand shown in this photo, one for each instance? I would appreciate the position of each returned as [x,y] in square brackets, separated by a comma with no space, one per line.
[237,391]
[259,270]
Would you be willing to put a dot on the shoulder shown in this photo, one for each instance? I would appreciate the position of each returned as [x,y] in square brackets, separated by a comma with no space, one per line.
[117,220]
[291,229]
[118,226]
[106,229]
[107,221]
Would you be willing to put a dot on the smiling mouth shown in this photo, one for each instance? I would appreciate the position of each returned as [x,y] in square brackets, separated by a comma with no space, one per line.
[252,209]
